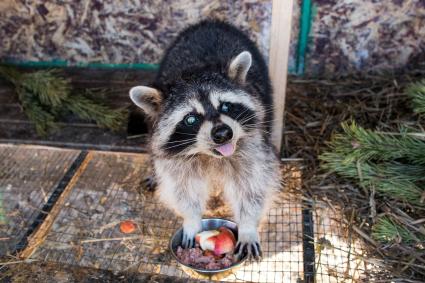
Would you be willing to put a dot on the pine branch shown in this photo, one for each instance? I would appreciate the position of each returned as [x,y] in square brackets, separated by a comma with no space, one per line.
[391,179]
[48,85]
[417,93]
[386,230]
[50,88]
[89,110]
[44,121]
[357,143]
[45,94]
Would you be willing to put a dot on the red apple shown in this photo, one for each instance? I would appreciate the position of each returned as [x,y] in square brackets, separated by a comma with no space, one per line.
[205,239]
[220,242]
[224,242]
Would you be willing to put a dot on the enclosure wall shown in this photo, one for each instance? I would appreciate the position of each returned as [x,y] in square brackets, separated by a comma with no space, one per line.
[341,36]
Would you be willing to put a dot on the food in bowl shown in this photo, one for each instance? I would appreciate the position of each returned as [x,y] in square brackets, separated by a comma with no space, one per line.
[213,250]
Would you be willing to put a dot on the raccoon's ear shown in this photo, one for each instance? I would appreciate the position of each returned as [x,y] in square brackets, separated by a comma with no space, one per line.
[146,98]
[239,67]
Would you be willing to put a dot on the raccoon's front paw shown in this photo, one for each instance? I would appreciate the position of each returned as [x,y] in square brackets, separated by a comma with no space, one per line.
[248,244]
[190,229]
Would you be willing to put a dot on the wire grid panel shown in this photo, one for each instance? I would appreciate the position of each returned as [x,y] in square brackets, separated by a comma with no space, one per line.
[86,231]
[28,177]
[339,256]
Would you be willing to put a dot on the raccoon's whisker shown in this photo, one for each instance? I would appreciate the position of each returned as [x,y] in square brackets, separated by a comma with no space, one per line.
[170,147]
[265,110]
[187,134]
[269,108]
[264,122]
[254,128]
[191,139]
[264,131]
[241,113]
[248,118]
[254,115]
[176,145]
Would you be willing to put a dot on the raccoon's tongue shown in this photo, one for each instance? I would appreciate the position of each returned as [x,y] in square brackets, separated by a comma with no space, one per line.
[226,149]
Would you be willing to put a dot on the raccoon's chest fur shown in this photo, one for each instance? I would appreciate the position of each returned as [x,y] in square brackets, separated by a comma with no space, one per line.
[216,205]
[211,170]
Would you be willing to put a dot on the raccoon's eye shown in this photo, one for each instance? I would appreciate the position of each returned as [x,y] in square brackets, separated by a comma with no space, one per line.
[191,120]
[225,107]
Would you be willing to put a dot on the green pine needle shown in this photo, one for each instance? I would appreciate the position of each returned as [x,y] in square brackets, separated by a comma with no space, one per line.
[393,164]
[387,230]
[45,95]
[43,120]
[89,110]
[48,85]
[357,143]
[417,93]
[393,180]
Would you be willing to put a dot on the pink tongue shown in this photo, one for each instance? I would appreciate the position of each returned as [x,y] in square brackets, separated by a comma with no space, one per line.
[226,150]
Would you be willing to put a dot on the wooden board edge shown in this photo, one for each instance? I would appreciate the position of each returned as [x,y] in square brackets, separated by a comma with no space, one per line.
[38,237]
[280,35]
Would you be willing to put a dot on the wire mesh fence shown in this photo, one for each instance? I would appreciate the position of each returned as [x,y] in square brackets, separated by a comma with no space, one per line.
[28,177]
[109,189]
[339,255]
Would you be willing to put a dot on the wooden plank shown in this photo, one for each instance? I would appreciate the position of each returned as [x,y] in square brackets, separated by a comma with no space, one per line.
[40,234]
[278,66]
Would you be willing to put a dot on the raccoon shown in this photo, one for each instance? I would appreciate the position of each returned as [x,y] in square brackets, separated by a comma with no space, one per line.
[212,110]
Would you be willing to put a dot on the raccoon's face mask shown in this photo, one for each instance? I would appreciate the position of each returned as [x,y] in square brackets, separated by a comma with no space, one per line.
[202,122]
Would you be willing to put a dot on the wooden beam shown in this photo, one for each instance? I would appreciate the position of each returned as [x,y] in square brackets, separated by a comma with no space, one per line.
[278,65]
[38,237]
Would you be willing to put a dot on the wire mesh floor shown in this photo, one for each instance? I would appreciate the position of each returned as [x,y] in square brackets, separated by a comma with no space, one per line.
[339,255]
[108,189]
[86,231]
[28,176]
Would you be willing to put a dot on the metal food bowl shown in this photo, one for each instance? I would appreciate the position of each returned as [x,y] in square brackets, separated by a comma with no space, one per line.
[207,224]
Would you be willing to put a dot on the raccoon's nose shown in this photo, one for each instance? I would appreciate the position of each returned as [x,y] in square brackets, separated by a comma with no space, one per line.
[221,134]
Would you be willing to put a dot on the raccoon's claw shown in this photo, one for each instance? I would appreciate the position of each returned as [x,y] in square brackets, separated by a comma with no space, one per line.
[187,241]
[251,250]
[149,183]
[190,228]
